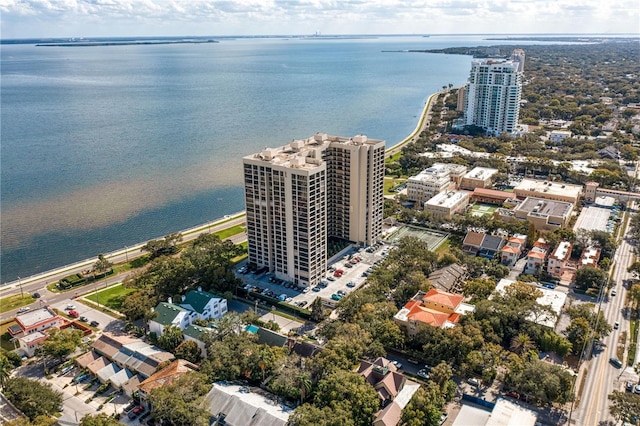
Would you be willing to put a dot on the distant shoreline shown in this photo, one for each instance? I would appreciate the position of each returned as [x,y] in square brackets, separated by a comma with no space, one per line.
[122,43]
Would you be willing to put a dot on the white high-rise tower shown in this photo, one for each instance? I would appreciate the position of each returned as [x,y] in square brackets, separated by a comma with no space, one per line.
[492,94]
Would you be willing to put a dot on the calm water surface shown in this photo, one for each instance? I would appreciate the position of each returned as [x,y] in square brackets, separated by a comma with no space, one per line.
[108,146]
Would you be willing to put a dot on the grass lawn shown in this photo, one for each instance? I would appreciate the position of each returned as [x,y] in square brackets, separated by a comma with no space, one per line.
[234,230]
[390,183]
[111,297]
[5,337]
[16,301]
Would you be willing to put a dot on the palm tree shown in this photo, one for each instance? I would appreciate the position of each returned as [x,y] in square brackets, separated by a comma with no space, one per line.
[304,383]
[521,344]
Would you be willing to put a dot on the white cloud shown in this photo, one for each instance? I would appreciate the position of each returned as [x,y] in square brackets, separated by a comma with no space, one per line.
[60,18]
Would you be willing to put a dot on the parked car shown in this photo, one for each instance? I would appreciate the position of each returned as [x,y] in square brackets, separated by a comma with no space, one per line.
[94,323]
[423,373]
[616,362]
[616,325]
[23,309]
[83,319]
[473,382]
[341,293]
[73,314]
[351,284]
[629,386]
[336,296]
[636,389]
[398,364]
[513,394]
[613,292]
[316,289]
[70,307]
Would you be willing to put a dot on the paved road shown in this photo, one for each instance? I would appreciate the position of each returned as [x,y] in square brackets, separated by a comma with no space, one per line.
[602,377]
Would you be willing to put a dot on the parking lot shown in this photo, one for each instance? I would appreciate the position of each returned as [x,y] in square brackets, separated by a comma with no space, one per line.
[355,265]
[89,315]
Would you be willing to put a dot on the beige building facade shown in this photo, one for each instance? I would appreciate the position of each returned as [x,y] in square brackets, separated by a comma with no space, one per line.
[556,191]
[299,195]
[479,177]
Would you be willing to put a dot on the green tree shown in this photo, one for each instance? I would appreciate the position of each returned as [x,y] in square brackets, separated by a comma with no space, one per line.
[349,391]
[479,288]
[310,415]
[625,407]
[317,310]
[167,246]
[521,344]
[189,350]
[61,343]
[180,403]
[32,397]
[591,278]
[5,369]
[424,408]
[634,295]
[139,305]
[100,419]
[38,421]
[102,264]
[171,338]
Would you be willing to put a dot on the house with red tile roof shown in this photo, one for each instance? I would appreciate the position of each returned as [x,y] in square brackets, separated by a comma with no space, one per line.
[511,251]
[536,257]
[435,308]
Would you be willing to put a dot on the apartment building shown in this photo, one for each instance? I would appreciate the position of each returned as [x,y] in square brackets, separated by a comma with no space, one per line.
[492,94]
[299,195]
[559,259]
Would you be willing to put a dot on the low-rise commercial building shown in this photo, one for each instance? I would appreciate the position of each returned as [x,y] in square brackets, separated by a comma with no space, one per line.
[447,203]
[491,196]
[34,321]
[427,183]
[557,136]
[555,191]
[545,215]
[479,177]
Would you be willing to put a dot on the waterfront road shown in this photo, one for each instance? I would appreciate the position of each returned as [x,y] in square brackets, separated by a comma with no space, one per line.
[39,282]
[602,377]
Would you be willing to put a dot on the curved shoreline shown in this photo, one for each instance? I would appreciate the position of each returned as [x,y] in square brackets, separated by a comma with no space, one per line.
[420,126]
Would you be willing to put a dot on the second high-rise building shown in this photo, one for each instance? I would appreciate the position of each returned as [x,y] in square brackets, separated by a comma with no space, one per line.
[492,94]
[299,195]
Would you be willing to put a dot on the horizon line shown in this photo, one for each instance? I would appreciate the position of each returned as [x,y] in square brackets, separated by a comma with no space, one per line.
[319,35]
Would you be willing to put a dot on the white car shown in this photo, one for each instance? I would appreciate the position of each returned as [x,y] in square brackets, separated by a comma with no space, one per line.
[23,309]
[70,307]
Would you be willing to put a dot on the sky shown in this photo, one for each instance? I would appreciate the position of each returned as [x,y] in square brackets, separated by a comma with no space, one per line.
[105,18]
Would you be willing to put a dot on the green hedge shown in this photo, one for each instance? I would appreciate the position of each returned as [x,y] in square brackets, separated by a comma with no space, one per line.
[281,306]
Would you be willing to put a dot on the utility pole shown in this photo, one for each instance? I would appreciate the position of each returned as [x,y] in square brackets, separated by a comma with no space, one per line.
[20,284]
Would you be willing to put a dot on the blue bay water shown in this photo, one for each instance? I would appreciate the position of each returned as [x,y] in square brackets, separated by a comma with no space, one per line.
[108,146]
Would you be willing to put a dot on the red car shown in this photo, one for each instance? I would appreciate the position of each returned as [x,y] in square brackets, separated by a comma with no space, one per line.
[73,314]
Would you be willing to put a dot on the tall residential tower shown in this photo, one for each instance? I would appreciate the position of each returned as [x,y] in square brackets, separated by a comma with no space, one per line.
[299,195]
[492,94]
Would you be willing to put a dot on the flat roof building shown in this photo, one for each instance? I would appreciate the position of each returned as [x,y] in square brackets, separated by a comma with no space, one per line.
[300,194]
[556,191]
[447,203]
[428,183]
[479,177]
[36,320]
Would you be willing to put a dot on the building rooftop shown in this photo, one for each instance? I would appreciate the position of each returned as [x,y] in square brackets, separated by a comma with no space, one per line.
[197,300]
[553,298]
[543,207]
[307,153]
[33,337]
[167,312]
[245,406]
[481,173]
[447,198]
[167,375]
[562,251]
[34,317]
[552,188]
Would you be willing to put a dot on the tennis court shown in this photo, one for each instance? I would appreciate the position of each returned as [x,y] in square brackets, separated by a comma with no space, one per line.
[482,209]
[432,238]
